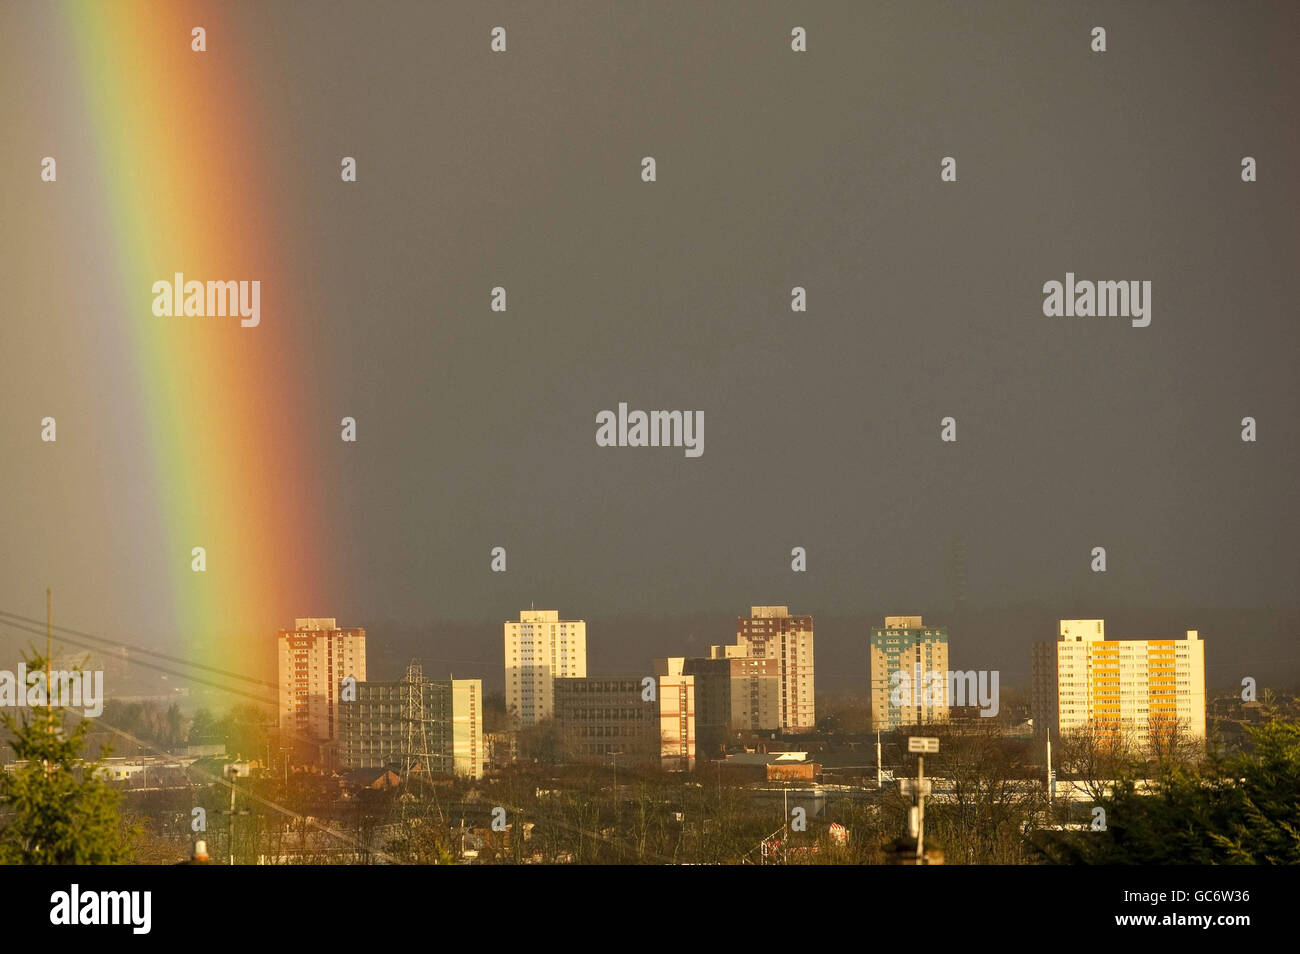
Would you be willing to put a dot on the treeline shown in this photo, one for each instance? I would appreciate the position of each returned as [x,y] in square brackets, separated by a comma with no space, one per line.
[1241,808]
[242,729]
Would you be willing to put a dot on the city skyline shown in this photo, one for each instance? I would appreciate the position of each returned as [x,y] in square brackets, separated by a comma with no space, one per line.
[361,510]
[1070,433]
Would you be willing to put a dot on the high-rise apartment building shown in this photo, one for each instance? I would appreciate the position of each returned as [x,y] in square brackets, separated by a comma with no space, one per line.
[539,649]
[753,685]
[314,659]
[712,697]
[434,726]
[771,645]
[597,718]
[468,752]
[1140,690]
[600,718]
[905,645]
[677,722]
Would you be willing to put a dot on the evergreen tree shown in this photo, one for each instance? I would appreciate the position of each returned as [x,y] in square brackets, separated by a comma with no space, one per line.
[1243,809]
[60,811]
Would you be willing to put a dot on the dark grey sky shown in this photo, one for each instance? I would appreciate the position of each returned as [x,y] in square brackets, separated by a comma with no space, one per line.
[822,429]
[778,169]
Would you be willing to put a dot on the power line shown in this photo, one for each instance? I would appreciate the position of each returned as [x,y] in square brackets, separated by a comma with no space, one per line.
[518,812]
[284,731]
[155,666]
[140,649]
[253,796]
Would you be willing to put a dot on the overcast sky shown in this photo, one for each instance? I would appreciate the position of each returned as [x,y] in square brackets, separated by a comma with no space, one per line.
[774,169]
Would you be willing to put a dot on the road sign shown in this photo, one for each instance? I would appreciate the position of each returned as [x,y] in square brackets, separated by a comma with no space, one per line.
[925,744]
[908,786]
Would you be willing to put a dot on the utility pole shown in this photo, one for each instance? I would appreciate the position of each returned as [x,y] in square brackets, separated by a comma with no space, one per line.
[232,818]
[920,809]
[49,650]
[785,820]
[921,745]
[1051,779]
[614,759]
[232,771]
[880,776]
[49,638]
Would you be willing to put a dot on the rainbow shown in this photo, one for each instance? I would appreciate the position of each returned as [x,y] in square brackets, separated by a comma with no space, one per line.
[176,138]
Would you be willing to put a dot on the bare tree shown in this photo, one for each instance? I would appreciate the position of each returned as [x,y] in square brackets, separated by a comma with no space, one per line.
[1095,756]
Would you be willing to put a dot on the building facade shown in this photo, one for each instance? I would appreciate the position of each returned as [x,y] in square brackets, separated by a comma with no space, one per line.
[712,698]
[771,645]
[435,726]
[468,750]
[314,659]
[906,645]
[598,719]
[539,649]
[753,691]
[677,730]
[1144,691]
